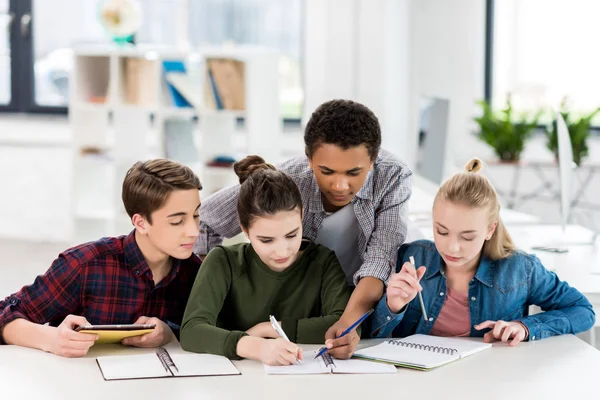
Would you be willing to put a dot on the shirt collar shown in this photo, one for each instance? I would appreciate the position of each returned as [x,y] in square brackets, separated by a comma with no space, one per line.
[315,202]
[133,255]
[485,271]
[137,263]
[366,191]
[435,267]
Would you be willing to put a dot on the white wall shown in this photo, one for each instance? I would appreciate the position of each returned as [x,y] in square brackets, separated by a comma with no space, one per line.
[388,53]
[449,62]
[359,50]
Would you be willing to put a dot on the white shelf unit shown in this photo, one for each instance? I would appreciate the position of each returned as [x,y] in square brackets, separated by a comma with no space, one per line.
[120,111]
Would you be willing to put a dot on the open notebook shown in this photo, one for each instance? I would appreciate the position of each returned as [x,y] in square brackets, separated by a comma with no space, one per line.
[161,364]
[326,364]
[422,351]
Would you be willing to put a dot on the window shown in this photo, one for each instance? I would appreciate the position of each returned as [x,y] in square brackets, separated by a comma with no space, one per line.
[544,51]
[6,19]
[44,52]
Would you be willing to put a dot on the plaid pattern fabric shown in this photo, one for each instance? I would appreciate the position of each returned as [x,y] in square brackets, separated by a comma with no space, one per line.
[380,207]
[107,282]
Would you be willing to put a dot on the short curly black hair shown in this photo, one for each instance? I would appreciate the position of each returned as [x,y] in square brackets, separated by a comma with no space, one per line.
[344,123]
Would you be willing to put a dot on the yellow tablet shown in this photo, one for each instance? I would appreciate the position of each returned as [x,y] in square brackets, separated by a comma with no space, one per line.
[115,333]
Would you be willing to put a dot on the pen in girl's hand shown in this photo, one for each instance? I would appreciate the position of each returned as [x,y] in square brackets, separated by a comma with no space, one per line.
[412,261]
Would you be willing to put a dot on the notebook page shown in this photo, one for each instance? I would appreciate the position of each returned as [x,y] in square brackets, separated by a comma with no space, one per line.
[362,367]
[405,356]
[310,365]
[190,364]
[131,367]
[464,346]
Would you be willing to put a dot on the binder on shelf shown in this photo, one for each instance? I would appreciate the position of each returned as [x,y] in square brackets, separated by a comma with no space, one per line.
[186,86]
[226,79]
[176,97]
[214,90]
[139,81]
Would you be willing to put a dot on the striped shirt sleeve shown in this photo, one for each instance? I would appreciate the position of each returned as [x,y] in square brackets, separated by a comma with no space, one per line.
[218,219]
[390,225]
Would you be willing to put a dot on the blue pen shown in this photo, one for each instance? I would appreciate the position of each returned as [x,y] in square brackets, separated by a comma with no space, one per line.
[347,331]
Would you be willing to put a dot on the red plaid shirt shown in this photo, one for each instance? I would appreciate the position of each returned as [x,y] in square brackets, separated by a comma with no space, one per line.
[107,282]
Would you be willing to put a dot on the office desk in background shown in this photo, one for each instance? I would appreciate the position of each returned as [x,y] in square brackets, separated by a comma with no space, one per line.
[559,367]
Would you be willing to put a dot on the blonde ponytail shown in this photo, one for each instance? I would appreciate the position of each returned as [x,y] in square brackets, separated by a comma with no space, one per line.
[474,190]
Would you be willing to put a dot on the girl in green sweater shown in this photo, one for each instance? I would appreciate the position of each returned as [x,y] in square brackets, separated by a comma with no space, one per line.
[278,273]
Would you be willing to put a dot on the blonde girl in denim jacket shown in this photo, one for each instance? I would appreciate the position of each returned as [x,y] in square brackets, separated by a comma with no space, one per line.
[473,279]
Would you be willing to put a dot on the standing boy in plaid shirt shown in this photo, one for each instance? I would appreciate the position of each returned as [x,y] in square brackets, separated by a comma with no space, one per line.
[355,202]
[143,278]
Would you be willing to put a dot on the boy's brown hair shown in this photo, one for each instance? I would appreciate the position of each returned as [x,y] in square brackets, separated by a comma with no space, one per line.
[147,185]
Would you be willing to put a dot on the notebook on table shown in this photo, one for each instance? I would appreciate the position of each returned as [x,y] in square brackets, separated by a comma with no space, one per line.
[326,364]
[422,351]
[161,364]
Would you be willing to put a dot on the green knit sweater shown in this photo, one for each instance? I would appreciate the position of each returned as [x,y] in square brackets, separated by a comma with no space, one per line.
[235,290]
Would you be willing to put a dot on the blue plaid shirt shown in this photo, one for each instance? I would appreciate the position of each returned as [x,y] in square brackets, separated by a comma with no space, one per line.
[380,207]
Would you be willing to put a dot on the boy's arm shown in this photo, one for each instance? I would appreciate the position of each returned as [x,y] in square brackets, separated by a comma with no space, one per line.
[199,332]
[364,297]
[380,257]
[61,340]
[389,231]
[218,219]
[51,297]
[334,298]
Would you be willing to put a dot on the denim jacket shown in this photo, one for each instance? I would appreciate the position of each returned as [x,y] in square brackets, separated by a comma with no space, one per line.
[500,290]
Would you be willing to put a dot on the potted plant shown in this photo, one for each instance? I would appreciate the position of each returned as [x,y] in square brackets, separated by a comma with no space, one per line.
[579,131]
[505,133]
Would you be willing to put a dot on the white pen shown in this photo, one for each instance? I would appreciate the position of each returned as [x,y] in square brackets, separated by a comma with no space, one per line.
[412,261]
[280,331]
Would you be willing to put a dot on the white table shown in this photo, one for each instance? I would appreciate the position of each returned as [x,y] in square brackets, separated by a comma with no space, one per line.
[533,370]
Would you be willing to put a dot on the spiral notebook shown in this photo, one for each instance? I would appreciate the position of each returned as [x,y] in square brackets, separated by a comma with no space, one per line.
[161,364]
[422,351]
[326,364]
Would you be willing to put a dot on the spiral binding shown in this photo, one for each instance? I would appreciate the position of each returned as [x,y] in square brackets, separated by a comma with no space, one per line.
[166,360]
[426,347]
[327,359]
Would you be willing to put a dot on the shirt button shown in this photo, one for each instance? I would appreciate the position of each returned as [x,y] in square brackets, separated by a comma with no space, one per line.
[137,272]
[388,318]
[533,338]
[430,319]
[473,298]
[441,293]
[148,273]
[13,301]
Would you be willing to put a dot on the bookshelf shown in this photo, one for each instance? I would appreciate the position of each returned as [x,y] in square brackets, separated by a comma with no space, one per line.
[122,110]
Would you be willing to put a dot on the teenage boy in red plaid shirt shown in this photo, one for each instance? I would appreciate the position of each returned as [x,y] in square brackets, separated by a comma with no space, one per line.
[144,277]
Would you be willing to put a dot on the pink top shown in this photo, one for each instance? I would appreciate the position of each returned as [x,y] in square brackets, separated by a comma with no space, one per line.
[454,319]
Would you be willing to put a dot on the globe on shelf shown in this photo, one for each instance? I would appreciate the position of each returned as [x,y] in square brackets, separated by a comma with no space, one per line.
[120,18]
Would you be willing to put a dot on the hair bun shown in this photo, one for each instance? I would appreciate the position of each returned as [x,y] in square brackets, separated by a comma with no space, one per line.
[250,165]
[474,165]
